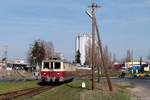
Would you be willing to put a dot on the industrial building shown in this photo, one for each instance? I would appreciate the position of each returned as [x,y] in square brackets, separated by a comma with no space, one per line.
[81,42]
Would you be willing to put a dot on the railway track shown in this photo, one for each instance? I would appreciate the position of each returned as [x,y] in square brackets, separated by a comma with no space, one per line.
[27,93]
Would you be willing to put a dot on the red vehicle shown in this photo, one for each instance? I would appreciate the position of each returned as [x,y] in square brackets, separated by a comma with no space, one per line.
[57,70]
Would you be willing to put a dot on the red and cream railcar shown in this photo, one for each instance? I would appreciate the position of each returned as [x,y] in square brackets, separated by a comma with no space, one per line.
[57,70]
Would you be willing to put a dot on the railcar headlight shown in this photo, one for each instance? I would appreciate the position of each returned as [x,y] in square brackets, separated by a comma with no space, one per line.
[44,73]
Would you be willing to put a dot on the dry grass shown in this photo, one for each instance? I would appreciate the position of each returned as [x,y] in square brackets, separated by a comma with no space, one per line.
[73,91]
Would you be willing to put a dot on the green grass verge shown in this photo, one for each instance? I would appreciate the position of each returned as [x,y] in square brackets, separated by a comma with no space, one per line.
[73,91]
[68,91]
[13,86]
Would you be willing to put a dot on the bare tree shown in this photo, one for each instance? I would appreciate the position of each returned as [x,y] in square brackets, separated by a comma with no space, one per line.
[39,51]
[148,57]
[36,52]
[129,56]
[98,61]
[114,58]
[107,57]
[49,50]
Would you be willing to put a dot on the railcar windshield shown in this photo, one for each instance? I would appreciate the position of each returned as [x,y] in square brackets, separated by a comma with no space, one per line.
[51,65]
[46,65]
[57,65]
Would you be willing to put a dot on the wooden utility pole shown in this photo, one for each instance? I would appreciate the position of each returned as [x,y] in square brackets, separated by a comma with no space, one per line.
[95,27]
[93,8]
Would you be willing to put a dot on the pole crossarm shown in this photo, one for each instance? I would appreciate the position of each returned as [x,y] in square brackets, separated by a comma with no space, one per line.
[94,5]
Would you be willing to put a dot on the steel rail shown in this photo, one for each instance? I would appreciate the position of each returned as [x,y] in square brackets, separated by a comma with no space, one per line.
[29,92]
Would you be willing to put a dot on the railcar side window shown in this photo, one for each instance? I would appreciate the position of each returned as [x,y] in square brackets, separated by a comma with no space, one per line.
[57,65]
[46,65]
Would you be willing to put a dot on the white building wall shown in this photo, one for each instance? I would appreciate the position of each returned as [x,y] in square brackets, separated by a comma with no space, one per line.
[81,42]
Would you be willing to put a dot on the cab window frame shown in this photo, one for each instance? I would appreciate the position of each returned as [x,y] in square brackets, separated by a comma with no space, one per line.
[57,65]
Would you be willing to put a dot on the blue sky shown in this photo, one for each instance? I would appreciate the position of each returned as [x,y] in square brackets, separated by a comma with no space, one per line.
[124,24]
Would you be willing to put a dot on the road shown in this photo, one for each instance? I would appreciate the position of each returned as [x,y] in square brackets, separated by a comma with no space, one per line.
[141,86]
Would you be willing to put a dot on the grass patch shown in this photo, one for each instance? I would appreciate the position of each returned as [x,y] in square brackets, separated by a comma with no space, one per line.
[119,92]
[73,91]
[13,86]
[105,95]
[68,91]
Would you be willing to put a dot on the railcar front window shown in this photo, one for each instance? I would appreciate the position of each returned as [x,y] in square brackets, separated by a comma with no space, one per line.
[46,65]
[57,65]
[51,65]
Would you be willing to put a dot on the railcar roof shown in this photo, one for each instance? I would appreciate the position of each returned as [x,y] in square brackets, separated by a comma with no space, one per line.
[57,61]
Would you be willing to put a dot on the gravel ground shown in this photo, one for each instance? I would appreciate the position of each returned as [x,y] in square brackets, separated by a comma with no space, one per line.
[141,92]
[13,75]
[141,87]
